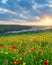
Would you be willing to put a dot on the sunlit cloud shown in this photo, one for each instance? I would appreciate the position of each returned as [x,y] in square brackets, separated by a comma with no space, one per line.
[4,1]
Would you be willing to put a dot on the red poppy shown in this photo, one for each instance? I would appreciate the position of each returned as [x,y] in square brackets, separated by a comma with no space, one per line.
[33,41]
[21,52]
[13,47]
[1,45]
[46,62]
[39,53]
[16,61]
[33,49]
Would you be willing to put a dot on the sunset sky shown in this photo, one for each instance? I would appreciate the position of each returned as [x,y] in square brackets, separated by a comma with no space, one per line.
[26,12]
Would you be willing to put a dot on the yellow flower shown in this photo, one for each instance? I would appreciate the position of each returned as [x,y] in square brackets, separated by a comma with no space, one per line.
[6,53]
[41,60]
[20,58]
[24,63]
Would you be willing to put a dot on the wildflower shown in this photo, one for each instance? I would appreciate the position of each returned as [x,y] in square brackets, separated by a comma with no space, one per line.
[39,53]
[16,61]
[24,63]
[41,60]
[1,45]
[21,52]
[20,58]
[34,48]
[13,47]
[33,41]
[46,62]
[6,53]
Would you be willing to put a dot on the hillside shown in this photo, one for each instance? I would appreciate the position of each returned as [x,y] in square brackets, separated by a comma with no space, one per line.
[6,28]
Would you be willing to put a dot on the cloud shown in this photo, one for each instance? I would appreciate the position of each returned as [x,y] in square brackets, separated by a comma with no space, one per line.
[29,10]
[4,1]
[34,6]
[40,23]
[3,10]
[50,5]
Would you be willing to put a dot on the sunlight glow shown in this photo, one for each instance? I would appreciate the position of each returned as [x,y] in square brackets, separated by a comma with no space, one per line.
[47,20]
[44,21]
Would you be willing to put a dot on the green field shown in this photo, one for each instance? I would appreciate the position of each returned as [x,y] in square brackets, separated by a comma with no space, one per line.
[30,48]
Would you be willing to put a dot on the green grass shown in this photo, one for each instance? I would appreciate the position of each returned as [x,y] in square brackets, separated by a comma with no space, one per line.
[30,48]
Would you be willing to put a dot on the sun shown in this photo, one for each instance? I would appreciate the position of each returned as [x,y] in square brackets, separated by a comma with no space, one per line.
[47,21]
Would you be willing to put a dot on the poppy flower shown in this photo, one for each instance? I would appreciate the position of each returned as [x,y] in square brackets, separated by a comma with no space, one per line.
[21,52]
[46,62]
[33,41]
[34,48]
[1,45]
[13,47]
[16,61]
[39,53]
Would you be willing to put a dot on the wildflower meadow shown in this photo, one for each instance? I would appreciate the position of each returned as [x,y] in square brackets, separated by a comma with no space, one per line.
[26,49]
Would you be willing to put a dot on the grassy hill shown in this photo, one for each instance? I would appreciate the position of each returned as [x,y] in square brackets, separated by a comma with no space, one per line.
[6,28]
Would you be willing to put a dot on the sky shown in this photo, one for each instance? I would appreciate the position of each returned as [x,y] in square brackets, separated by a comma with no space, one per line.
[24,11]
